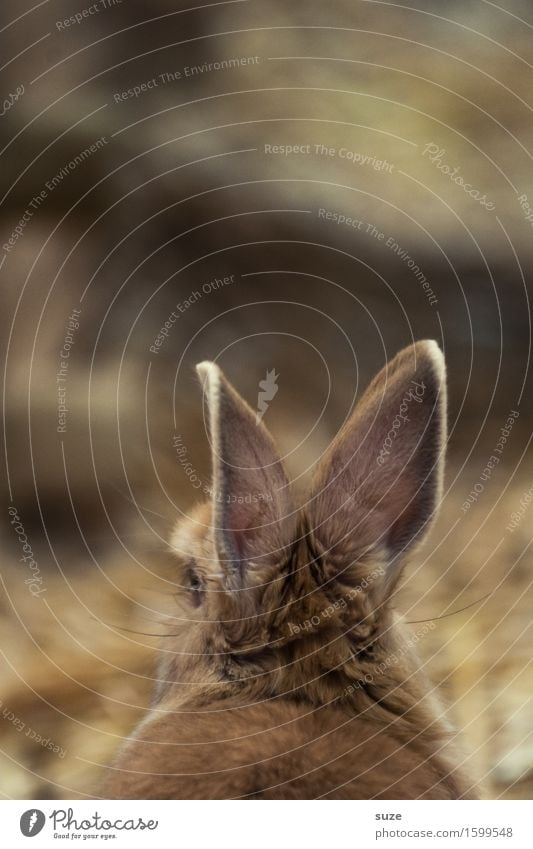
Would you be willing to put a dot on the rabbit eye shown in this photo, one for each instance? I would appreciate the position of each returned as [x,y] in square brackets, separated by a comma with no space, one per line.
[194,584]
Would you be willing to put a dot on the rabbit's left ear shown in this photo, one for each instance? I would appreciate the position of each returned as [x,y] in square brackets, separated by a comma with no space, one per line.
[379,484]
[252,507]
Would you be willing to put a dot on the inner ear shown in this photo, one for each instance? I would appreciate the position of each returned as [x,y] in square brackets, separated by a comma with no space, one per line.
[380,482]
[253,516]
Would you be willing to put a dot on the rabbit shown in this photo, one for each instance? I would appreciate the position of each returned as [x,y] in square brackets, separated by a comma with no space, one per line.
[291,676]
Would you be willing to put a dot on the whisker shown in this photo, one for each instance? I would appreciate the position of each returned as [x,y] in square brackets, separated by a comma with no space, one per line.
[452,612]
[130,630]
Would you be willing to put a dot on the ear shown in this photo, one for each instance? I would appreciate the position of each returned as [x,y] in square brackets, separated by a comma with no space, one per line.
[380,482]
[252,508]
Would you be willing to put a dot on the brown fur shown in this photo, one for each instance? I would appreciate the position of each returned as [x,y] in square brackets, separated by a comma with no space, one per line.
[289,674]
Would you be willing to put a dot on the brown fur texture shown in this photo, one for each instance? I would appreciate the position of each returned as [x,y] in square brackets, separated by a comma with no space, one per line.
[290,676]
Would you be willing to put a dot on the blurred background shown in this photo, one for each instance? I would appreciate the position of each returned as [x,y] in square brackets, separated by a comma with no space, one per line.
[302,187]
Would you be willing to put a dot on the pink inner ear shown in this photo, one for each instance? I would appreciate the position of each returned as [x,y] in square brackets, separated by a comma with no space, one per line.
[252,495]
[252,530]
[251,543]
[366,496]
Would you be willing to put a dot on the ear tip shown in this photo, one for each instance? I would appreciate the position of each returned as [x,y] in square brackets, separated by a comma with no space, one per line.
[207,370]
[430,345]
[430,349]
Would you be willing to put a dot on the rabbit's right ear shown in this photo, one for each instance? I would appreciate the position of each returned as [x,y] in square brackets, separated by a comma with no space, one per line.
[252,508]
[380,482]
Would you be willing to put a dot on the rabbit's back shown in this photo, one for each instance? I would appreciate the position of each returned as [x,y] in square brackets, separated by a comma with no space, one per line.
[279,750]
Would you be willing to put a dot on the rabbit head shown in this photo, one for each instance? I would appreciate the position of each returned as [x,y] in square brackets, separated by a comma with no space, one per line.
[280,596]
